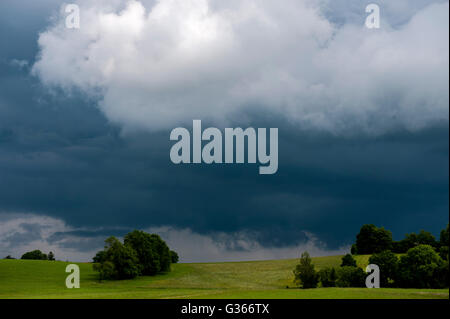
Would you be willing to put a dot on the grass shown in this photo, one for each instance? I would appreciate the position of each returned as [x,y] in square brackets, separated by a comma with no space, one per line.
[257,279]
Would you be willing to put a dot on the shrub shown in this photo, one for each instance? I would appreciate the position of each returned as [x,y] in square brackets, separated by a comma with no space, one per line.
[327,277]
[387,261]
[348,260]
[372,239]
[421,267]
[305,274]
[349,276]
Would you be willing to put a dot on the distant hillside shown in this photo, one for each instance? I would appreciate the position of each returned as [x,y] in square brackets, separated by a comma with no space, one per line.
[257,279]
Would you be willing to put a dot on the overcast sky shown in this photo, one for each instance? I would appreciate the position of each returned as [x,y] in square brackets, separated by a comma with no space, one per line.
[85,118]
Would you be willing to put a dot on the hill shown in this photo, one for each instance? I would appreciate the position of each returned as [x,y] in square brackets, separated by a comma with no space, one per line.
[257,279]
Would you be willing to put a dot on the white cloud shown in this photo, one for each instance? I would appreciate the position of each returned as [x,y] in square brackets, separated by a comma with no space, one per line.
[239,246]
[20,233]
[157,64]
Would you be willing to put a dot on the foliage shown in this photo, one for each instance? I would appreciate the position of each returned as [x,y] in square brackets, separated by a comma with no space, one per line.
[444,238]
[387,261]
[304,272]
[152,252]
[372,239]
[174,257]
[106,270]
[51,256]
[421,267]
[9,257]
[349,276]
[35,255]
[444,252]
[100,257]
[348,260]
[122,257]
[327,277]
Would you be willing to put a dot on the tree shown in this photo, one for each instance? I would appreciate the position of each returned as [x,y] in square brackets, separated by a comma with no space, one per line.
[304,272]
[372,239]
[174,257]
[122,257]
[51,256]
[106,270]
[327,277]
[422,238]
[387,261]
[100,257]
[420,268]
[152,252]
[9,257]
[444,238]
[348,260]
[349,276]
[34,255]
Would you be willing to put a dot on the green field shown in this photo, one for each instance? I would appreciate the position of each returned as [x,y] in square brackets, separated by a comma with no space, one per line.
[258,279]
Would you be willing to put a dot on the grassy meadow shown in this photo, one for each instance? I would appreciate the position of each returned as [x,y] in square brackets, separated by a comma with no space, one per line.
[246,280]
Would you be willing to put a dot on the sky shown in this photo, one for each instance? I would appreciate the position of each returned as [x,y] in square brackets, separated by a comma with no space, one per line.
[86,115]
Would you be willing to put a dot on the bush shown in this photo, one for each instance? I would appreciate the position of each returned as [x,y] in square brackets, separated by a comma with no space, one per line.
[327,277]
[349,276]
[372,239]
[305,274]
[348,260]
[387,261]
[34,255]
[421,267]
[174,257]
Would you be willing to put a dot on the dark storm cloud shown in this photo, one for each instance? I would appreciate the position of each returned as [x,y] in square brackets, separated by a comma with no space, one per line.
[60,157]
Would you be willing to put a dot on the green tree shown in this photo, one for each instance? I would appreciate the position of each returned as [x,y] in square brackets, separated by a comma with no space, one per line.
[100,257]
[35,255]
[51,256]
[349,276]
[174,257]
[327,277]
[123,257]
[304,272]
[420,268]
[444,244]
[348,260]
[387,261]
[152,252]
[106,270]
[372,239]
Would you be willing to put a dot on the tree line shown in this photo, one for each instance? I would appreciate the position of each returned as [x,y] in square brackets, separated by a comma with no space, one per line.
[35,255]
[417,261]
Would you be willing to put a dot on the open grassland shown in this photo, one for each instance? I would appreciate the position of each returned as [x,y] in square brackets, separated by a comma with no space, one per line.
[257,279]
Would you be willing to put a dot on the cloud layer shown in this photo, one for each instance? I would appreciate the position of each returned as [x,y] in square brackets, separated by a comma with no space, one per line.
[20,233]
[156,64]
